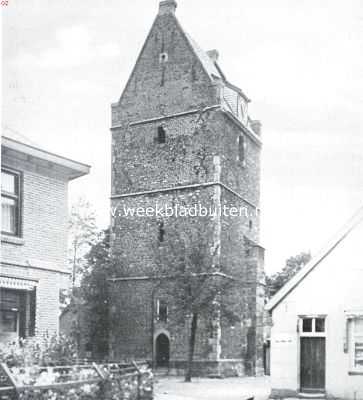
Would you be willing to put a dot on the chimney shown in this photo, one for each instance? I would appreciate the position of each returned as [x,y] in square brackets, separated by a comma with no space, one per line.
[167,7]
[213,55]
[256,126]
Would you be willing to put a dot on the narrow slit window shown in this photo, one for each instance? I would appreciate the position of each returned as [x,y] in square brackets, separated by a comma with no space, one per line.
[241,149]
[161,231]
[162,311]
[194,73]
[161,135]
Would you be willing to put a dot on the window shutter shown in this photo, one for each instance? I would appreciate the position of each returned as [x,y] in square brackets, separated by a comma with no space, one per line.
[32,313]
[22,314]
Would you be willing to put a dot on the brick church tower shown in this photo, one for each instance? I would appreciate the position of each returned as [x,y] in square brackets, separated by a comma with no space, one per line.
[181,134]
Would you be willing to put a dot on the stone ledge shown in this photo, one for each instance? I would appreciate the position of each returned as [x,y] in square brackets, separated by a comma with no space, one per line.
[12,240]
[283,393]
[208,368]
[352,373]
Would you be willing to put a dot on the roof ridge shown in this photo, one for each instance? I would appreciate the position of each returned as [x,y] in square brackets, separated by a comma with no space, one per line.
[203,57]
[325,250]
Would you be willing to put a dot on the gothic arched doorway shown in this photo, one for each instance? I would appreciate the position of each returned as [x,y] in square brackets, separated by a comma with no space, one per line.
[162,350]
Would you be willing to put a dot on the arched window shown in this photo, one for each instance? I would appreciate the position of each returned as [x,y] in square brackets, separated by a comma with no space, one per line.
[161,135]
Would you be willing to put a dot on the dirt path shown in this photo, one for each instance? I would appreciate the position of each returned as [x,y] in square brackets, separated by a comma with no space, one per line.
[173,388]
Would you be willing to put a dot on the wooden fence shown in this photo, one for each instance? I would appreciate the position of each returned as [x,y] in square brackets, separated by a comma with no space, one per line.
[99,381]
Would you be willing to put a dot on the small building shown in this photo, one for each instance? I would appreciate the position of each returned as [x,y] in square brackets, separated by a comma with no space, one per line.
[34,219]
[317,332]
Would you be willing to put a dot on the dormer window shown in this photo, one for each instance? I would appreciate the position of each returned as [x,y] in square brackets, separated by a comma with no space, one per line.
[161,135]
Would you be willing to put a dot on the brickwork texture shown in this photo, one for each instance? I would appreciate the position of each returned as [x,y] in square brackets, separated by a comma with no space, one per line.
[173,87]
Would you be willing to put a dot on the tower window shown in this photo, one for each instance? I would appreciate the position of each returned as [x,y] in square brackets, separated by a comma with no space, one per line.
[241,149]
[194,73]
[162,310]
[161,231]
[163,57]
[250,224]
[161,135]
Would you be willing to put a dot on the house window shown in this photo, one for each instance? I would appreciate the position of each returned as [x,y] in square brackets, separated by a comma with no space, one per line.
[241,150]
[307,325]
[9,312]
[357,344]
[161,135]
[162,311]
[8,321]
[17,313]
[312,326]
[319,324]
[10,202]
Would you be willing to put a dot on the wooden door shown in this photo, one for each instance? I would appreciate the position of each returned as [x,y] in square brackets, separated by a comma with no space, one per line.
[312,364]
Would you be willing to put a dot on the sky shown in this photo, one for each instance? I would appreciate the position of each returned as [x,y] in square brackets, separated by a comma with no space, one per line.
[300,62]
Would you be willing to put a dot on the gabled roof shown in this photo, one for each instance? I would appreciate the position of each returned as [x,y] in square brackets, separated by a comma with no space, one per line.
[210,66]
[335,241]
[207,63]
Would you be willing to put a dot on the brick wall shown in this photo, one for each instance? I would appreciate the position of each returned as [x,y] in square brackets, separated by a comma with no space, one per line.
[186,86]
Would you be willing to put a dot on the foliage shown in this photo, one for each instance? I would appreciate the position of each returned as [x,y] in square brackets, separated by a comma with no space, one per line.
[293,265]
[48,350]
[80,392]
[188,259]
[82,235]
[94,292]
[130,387]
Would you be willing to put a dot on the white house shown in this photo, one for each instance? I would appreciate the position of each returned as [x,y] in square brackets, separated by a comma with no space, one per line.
[33,257]
[317,333]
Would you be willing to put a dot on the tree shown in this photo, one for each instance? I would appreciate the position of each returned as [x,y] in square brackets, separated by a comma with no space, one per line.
[82,235]
[95,292]
[192,280]
[292,266]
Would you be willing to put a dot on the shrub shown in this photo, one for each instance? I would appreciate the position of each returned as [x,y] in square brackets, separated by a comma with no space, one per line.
[45,351]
